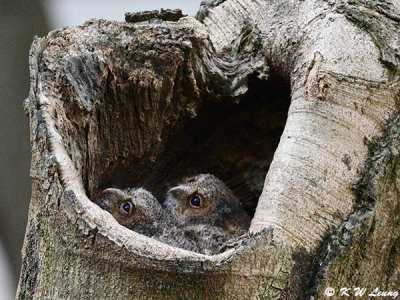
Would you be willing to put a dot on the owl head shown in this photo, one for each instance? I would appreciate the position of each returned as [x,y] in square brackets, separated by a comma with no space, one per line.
[204,199]
[136,209]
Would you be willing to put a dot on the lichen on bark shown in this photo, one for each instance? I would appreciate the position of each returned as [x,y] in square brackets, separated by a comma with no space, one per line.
[367,245]
[379,18]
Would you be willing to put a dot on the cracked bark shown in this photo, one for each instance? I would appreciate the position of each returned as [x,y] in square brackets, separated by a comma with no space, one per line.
[143,104]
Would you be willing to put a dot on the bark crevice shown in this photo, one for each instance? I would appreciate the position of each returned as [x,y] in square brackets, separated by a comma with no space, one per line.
[373,16]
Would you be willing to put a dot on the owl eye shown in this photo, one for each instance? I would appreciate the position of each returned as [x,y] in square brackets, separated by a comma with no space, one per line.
[196,201]
[126,208]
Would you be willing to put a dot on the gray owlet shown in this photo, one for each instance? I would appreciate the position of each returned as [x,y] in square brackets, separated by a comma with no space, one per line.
[134,208]
[207,211]
[138,210]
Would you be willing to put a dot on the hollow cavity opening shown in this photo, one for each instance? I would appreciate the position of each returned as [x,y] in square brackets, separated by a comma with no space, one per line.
[233,141]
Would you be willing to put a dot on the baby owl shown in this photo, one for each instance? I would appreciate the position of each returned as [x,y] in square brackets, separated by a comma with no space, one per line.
[201,214]
[207,210]
[138,210]
[134,208]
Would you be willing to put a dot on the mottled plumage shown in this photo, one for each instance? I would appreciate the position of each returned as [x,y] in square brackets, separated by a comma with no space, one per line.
[136,209]
[200,215]
[207,211]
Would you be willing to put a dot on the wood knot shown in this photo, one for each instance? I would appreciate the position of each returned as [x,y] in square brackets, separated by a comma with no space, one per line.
[316,85]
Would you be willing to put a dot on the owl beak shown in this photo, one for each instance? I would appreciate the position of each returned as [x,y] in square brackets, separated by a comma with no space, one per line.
[180,189]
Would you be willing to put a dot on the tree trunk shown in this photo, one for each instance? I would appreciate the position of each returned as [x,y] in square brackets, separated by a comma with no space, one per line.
[297,101]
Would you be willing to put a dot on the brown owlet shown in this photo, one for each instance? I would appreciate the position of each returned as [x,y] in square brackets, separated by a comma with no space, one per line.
[207,211]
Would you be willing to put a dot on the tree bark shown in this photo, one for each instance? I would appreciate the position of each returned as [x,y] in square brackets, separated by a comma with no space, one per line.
[123,104]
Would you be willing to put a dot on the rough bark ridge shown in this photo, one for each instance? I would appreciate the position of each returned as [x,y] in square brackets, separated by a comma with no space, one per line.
[120,104]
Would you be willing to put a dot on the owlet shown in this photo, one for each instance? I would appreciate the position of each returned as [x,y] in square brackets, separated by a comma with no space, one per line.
[207,211]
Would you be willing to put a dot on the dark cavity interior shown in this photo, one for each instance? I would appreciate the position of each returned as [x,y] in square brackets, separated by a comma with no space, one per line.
[235,142]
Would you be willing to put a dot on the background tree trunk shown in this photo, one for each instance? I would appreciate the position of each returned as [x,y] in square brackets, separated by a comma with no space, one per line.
[122,104]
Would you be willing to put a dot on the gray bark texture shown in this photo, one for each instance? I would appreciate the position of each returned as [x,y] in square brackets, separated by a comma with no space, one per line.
[294,104]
